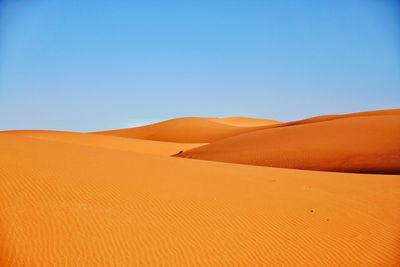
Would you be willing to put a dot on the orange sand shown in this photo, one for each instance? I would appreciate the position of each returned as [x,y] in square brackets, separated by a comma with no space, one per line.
[75,199]
[368,144]
[192,129]
[207,130]
[245,121]
[135,145]
[384,112]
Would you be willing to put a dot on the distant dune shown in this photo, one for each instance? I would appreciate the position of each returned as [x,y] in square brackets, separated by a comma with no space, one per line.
[369,144]
[207,130]
[245,121]
[321,118]
[135,145]
[69,204]
[192,129]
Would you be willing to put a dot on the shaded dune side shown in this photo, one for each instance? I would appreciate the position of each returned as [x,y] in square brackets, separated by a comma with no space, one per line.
[188,130]
[207,130]
[111,142]
[114,208]
[368,144]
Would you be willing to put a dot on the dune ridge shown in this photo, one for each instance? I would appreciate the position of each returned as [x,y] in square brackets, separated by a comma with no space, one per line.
[207,130]
[74,205]
[321,118]
[245,121]
[192,129]
[369,144]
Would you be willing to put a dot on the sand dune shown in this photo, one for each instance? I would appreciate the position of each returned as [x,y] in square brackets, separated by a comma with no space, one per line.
[192,129]
[135,145]
[245,121]
[321,118]
[368,144]
[207,130]
[67,204]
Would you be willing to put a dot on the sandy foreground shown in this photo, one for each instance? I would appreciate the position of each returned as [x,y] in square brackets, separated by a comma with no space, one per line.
[76,199]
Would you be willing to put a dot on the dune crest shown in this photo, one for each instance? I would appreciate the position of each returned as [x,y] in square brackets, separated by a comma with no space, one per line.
[191,129]
[383,112]
[245,121]
[207,130]
[369,144]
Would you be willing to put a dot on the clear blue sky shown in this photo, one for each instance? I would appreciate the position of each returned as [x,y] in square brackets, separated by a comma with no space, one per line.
[89,65]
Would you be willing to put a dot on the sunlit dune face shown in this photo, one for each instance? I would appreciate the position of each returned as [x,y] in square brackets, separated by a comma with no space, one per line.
[111,142]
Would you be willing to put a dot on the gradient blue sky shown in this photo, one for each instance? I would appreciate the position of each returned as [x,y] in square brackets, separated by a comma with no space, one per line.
[90,65]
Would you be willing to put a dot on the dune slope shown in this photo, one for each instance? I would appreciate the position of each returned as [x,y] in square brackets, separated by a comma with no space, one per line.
[207,130]
[65,204]
[111,142]
[192,129]
[369,144]
[383,112]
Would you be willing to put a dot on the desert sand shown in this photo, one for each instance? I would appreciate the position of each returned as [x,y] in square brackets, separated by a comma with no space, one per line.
[87,139]
[84,199]
[192,129]
[322,118]
[369,144]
